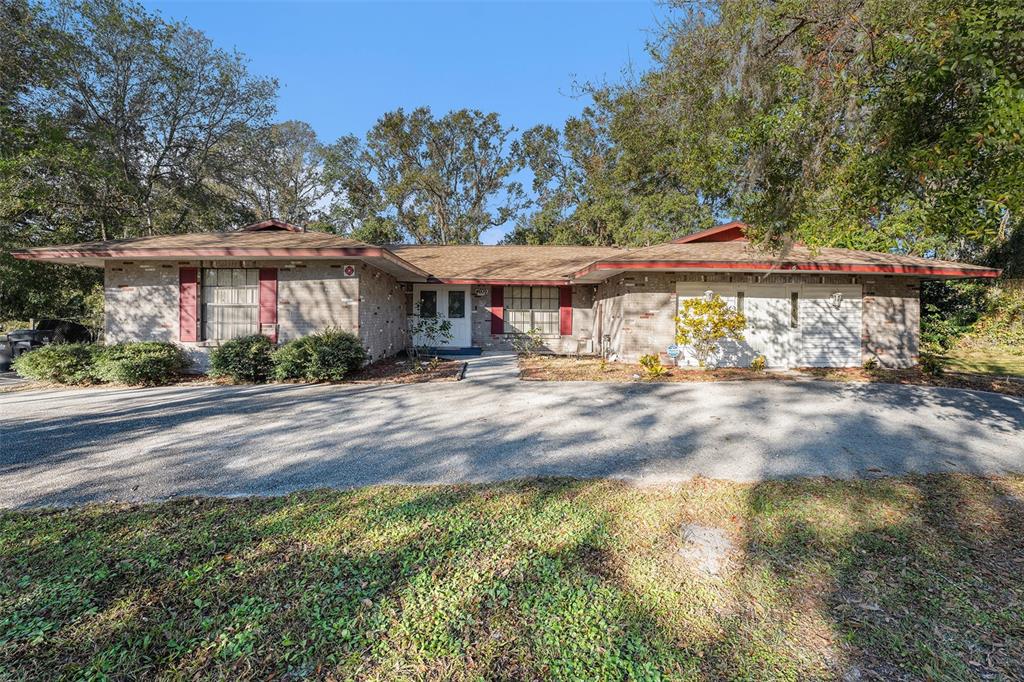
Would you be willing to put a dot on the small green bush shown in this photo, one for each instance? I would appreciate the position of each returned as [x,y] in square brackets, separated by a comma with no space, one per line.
[147,363]
[64,363]
[930,364]
[291,360]
[759,364]
[653,369]
[329,355]
[245,359]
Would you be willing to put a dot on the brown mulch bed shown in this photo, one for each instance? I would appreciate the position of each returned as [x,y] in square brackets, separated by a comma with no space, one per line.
[400,371]
[560,368]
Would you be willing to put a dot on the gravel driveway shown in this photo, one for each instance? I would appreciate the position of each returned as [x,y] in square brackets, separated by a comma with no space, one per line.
[68,447]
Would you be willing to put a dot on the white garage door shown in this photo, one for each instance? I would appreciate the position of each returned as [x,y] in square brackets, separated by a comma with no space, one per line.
[830,325]
[767,309]
[824,332]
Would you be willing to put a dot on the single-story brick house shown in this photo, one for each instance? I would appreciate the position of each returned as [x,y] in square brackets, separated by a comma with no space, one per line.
[805,307]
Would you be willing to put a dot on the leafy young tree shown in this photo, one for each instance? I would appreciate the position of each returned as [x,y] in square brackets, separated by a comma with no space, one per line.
[703,323]
[431,180]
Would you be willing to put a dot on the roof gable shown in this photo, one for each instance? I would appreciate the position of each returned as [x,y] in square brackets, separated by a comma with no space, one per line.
[271,224]
[729,232]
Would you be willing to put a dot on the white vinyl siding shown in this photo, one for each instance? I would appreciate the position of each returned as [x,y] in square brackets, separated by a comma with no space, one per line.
[830,326]
[529,308]
[230,299]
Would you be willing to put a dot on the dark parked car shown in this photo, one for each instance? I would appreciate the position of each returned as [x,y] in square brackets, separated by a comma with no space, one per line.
[14,343]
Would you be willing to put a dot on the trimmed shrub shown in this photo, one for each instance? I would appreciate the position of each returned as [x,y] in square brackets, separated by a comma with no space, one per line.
[291,360]
[329,355]
[245,359]
[148,363]
[64,363]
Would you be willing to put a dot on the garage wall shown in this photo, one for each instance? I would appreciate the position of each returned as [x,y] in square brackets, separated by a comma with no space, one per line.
[892,321]
[635,312]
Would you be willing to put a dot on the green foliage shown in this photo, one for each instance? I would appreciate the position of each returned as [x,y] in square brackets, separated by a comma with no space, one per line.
[930,364]
[527,343]
[949,310]
[706,321]
[63,363]
[1002,322]
[429,332]
[653,369]
[432,180]
[147,363]
[885,125]
[328,355]
[246,359]
[759,364]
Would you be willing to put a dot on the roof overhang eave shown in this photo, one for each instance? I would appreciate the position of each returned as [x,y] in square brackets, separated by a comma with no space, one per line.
[597,272]
[379,258]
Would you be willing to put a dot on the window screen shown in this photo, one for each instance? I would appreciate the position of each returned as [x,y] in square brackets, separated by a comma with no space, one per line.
[230,299]
[529,308]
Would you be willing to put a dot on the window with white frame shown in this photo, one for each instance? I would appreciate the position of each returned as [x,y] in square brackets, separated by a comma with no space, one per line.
[230,299]
[529,308]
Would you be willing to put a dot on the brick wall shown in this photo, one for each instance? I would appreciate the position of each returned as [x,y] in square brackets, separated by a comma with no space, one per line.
[316,295]
[383,313]
[582,323]
[635,313]
[140,302]
[891,320]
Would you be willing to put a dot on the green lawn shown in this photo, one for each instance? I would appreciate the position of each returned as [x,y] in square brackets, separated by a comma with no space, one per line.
[916,578]
[986,359]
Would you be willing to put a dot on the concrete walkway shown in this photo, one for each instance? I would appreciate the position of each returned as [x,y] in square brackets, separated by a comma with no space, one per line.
[73,446]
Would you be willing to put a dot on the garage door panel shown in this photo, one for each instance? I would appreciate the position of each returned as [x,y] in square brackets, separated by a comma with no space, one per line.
[830,326]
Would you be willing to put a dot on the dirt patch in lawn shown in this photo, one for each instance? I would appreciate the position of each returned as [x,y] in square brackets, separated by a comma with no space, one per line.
[560,368]
[895,579]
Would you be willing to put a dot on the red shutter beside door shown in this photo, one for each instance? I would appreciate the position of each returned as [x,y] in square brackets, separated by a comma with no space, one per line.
[497,310]
[188,304]
[565,311]
[268,301]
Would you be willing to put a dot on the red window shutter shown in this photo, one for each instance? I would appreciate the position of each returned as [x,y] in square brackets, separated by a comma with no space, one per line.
[497,310]
[565,311]
[188,304]
[268,300]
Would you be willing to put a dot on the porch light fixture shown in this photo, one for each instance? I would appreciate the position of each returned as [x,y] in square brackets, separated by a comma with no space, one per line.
[836,300]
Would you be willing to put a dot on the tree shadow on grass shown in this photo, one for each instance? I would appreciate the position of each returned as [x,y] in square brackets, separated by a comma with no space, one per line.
[503,583]
[918,578]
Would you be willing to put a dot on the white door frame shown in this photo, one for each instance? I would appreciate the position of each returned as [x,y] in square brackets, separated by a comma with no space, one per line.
[462,328]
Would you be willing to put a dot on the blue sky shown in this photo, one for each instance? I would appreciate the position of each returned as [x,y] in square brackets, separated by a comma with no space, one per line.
[343,64]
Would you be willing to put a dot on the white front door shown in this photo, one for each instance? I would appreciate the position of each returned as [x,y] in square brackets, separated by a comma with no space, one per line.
[446,302]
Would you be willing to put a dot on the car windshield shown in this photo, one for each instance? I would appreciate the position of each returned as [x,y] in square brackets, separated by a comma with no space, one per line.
[47,325]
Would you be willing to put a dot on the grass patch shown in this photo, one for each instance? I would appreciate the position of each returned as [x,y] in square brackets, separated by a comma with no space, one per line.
[985,358]
[903,578]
